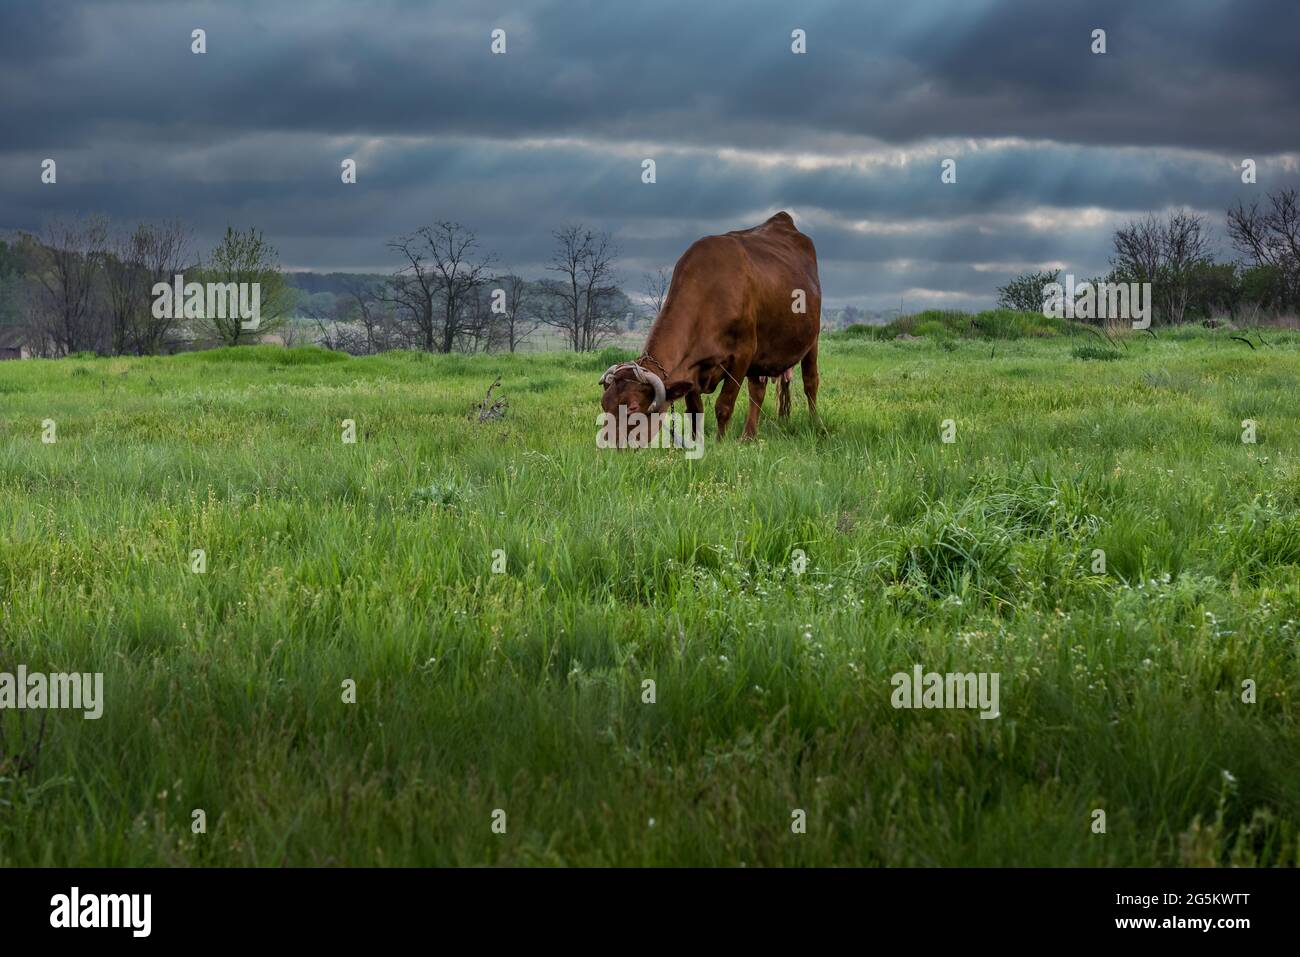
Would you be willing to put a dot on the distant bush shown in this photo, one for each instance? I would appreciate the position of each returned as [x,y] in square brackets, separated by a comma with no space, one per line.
[954,324]
[933,328]
[1025,292]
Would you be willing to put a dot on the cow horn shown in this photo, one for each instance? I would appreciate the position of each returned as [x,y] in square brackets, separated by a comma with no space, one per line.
[642,375]
[660,393]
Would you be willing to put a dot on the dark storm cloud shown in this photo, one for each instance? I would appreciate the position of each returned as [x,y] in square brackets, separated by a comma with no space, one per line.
[1053,144]
[1212,75]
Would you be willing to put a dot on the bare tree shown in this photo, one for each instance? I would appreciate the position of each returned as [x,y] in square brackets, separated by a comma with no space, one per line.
[1166,253]
[1271,237]
[126,285]
[292,333]
[477,322]
[168,252]
[519,320]
[149,254]
[68,258]
[370,310]
[1186,249]
[656,288]
[413,289]
[1137,250]
[442,268]
[332,334]
[583,298]
[333,330]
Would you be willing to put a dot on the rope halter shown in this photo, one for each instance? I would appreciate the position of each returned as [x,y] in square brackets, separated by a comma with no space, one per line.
[641,374]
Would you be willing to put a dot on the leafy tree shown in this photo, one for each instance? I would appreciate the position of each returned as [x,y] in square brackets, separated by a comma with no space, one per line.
[1263,288]
[246,257]
[1025,292]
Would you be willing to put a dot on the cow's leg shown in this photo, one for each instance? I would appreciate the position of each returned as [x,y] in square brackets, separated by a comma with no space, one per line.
[757,389]
[810,380]
[783,393]
[726,402]
[694,407]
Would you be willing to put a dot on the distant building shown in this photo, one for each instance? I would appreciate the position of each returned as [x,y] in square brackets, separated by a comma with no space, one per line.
[12,344]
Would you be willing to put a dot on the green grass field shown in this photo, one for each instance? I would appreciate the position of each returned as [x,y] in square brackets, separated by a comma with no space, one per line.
[523,691]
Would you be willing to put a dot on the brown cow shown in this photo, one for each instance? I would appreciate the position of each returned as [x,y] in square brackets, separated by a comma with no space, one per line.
[732,313]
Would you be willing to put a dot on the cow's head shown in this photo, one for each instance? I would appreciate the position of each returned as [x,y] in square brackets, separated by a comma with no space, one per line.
[637,390]
[628,384]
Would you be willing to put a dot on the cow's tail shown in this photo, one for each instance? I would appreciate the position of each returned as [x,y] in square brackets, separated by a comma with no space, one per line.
[783,395]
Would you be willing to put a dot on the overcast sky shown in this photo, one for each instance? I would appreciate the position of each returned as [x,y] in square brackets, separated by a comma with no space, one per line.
[1054,145]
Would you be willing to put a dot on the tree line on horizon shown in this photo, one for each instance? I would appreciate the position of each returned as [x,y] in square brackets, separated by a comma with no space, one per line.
[81,286]
[1174,253]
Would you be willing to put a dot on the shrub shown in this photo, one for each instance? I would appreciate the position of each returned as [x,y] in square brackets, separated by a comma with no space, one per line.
[1025,292]
[1091,351]
[948,323]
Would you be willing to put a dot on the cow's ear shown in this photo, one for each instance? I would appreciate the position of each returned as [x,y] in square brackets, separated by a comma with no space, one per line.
[676,389]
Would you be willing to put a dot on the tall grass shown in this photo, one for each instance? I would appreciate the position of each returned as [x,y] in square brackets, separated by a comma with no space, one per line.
[525,691]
